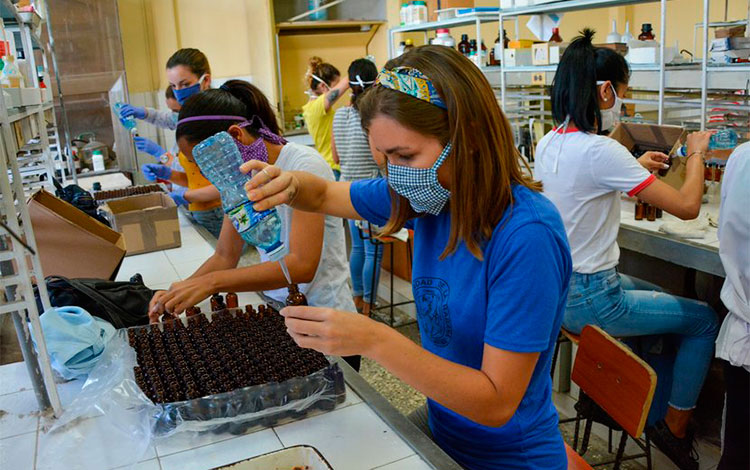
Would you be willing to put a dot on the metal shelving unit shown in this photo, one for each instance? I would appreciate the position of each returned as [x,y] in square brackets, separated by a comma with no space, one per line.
[20,266]
[464,20]
[660,77]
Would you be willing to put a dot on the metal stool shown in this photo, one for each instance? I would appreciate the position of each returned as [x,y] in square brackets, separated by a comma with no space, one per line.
[381,241]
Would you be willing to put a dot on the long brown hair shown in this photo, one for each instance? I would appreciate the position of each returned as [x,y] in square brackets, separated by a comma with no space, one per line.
[484,158]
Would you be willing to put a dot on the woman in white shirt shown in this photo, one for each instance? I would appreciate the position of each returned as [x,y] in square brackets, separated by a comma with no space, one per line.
[733,343]
[583,173]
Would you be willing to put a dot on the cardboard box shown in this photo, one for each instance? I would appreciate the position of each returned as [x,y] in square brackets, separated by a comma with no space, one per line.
[733,32]
[556,51]
[728,44]
[72,244]
[517,57]
[540,53]
[148,222]
[434,5]
[665,139]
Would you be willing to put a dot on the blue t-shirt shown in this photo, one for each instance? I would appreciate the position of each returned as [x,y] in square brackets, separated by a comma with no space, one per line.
[513,300]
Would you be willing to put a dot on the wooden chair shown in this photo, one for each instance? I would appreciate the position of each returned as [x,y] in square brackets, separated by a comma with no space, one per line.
[620,383]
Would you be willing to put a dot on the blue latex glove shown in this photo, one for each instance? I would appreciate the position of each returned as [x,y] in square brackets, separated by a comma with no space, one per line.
[149,146]
[128,110]
[178,196]
[154,171]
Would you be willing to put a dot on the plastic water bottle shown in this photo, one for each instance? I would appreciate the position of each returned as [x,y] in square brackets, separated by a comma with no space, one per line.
[721,140]
[128,122]
[219,159]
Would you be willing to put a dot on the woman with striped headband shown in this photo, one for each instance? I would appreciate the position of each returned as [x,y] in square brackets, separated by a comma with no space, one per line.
[485,240]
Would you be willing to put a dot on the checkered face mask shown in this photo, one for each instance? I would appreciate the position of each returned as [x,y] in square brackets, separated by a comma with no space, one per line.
[420,185]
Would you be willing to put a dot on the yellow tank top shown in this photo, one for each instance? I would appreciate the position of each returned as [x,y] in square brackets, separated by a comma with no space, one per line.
[196,180]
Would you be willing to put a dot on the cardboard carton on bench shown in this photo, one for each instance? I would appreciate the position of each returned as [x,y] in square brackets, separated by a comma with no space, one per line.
[148,222]
[665,139]
[70,243]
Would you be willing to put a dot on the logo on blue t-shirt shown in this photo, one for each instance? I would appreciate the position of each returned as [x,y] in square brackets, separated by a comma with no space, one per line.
[431,297]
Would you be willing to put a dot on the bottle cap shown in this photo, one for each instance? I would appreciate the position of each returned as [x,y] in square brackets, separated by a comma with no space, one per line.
[443,31]
[409,42]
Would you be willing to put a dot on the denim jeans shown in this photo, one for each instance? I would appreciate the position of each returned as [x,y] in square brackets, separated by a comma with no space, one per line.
[362,264]
[623,306]
[210,219]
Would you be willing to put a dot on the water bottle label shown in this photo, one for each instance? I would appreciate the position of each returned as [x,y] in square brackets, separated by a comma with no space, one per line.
[241,216]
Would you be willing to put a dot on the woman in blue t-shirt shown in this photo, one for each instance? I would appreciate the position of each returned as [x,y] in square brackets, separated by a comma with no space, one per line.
[491,261]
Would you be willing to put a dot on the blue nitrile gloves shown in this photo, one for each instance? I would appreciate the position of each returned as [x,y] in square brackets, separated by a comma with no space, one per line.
[149,146]
[154,171]
[178,196]
[128,110]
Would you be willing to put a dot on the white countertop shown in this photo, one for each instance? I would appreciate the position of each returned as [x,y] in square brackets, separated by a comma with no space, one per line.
[351,437]
[710,241]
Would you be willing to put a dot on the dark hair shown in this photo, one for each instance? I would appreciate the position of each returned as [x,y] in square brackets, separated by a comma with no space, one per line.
[322,70]
[574,90]
[366,70]
[193,59]
[233,98]
[485,162]
[169,93]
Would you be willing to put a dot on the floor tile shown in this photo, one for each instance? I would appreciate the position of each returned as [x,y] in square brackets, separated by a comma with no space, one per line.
[186,268]
[223,453]
[414,462]
[19,413]
[190,251]
[17,453]
[95,444]
[154,267]
[349,438]
[14,378]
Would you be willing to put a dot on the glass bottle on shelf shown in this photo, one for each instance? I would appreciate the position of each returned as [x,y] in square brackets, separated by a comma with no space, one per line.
[640,209]
[464,47]
[506,39]
[495,51]
[483,55]
[646,32]
[555,35]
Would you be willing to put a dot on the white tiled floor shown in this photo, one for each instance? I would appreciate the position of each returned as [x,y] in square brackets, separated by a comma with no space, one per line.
[17,453]
[20,415]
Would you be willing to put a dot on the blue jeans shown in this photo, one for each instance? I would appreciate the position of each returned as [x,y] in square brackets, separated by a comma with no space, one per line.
[210,219]
[362,264]
[624,306]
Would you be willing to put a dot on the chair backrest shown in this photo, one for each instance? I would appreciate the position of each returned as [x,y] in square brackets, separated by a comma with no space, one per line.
[615,378]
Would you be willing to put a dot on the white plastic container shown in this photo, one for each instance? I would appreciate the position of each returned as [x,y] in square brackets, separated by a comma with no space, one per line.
[444,38]
[404,13]
[293,457]
[411,14]
[98,160]
[420,12]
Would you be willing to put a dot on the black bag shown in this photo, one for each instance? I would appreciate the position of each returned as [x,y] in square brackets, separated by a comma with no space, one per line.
[80,199]
[123,304]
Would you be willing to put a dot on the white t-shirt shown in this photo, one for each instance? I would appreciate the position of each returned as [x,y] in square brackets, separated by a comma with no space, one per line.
[329,287]
[733,342]
[583,175]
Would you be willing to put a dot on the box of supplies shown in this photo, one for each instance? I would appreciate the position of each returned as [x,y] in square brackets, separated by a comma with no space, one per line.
[70,243]
[666,139]
[517,57]
[540,53]
[148,222]
[556,51]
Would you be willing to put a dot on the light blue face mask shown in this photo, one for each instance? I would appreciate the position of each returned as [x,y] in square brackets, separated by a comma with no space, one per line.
[420,185]
[184,93]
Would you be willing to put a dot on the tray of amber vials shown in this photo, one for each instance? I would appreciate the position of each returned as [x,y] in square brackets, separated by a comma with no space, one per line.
[101,196]
[231,370]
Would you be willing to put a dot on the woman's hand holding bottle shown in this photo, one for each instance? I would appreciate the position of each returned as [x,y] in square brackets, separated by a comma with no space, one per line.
[697,142]
[269,187]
